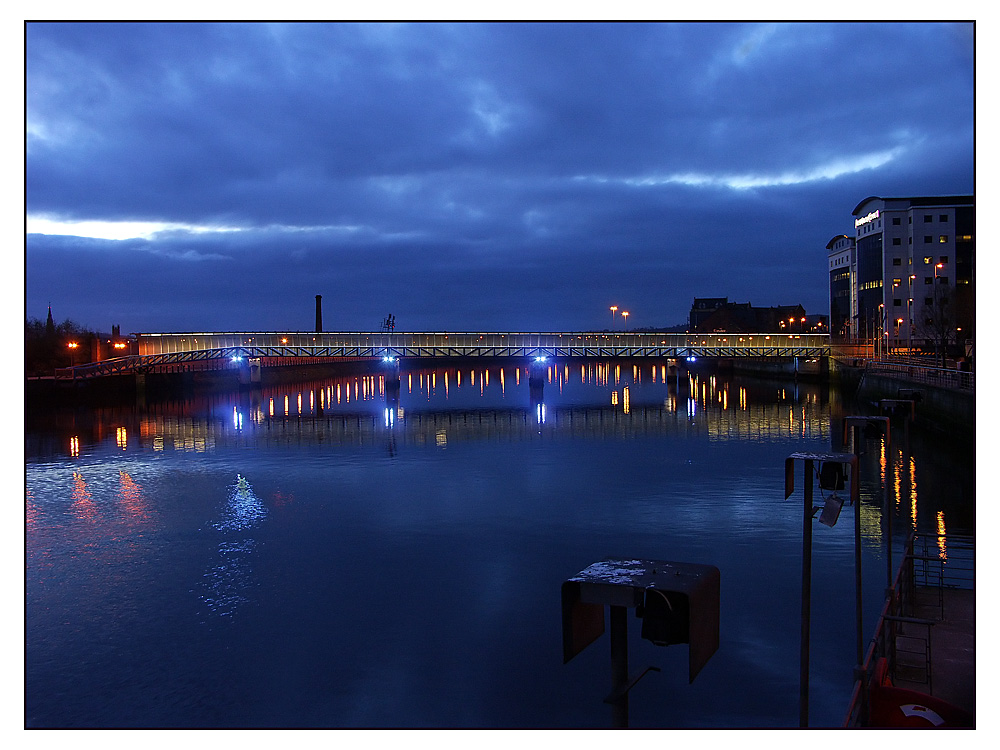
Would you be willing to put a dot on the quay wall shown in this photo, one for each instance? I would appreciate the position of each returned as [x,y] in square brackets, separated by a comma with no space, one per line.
[813,369]
[946,410]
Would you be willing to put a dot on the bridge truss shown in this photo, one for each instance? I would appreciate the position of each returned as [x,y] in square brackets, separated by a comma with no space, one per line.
[145,363]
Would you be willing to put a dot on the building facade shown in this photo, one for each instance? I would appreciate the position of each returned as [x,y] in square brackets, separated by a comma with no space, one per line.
[840,254]
[719,315]
[906,278]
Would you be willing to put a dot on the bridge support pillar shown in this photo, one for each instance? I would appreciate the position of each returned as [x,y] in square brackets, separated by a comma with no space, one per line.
[140,389]
[251,373]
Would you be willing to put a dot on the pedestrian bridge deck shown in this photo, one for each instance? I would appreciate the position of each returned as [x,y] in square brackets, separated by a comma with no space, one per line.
[158,349]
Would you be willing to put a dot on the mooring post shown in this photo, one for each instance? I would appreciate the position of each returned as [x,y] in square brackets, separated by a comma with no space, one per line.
[807,515]
[619,665]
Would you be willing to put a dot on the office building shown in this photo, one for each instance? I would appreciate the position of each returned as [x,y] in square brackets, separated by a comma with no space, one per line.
[906,278]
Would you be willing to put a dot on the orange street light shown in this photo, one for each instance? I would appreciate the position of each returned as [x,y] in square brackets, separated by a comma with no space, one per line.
[625,316]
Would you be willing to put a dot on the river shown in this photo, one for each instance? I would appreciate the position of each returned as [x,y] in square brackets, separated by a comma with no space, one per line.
[326,554]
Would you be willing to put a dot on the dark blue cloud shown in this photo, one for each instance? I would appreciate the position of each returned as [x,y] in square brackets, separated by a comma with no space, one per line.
[493,176]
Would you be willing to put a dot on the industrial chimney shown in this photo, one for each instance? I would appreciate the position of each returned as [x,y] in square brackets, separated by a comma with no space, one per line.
[319,313]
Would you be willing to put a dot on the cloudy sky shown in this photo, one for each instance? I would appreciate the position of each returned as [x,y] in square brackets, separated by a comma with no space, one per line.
[469,177]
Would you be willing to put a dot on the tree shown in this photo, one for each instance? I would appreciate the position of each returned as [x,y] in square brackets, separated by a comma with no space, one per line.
[46,345]
[939,321]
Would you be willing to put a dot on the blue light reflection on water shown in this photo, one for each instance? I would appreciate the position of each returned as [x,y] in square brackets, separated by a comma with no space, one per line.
[330,569]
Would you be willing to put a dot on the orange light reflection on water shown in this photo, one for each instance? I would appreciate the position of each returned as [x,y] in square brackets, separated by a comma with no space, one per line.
[83,504]
[130,497]
[31,510]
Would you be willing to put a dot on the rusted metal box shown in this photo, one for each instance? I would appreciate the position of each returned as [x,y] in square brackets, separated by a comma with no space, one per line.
[678,603]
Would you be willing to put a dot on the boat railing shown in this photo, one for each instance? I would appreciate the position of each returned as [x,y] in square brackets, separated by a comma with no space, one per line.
[931,562]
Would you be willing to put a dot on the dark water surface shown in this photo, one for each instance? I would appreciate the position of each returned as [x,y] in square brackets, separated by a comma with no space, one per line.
[309,555]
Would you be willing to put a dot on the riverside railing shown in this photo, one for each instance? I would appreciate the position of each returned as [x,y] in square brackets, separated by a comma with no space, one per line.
[937,376]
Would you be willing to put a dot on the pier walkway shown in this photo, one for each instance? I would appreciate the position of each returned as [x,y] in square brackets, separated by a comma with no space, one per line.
[920,669]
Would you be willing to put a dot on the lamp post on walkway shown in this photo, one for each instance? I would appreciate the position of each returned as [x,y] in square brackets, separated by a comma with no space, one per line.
[830,472]
[613,308]
[625,316]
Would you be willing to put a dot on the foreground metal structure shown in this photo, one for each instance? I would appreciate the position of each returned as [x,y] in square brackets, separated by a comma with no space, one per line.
[164,349]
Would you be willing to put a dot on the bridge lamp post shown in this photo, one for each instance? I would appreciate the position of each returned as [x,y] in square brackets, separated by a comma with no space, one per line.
[72,346]
[625,316]
[613,308]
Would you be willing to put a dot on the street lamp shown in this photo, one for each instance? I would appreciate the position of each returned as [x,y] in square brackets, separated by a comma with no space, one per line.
[72,346]
[939,311]
[625,316]
[881,327]
[613,308]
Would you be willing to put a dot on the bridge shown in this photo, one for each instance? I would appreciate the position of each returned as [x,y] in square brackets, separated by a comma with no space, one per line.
[159,350]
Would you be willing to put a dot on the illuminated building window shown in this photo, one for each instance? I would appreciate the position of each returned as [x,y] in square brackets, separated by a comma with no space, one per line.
[943,238]
[928,260]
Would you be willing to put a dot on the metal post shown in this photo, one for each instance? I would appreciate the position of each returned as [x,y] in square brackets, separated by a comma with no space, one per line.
[619,664]
[890,508]
[857,558]
[807,514]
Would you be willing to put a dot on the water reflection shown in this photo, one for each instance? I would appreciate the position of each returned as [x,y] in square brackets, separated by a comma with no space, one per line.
[130,498]
[31,510]
[445,405]
[83,504]
[230,576]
